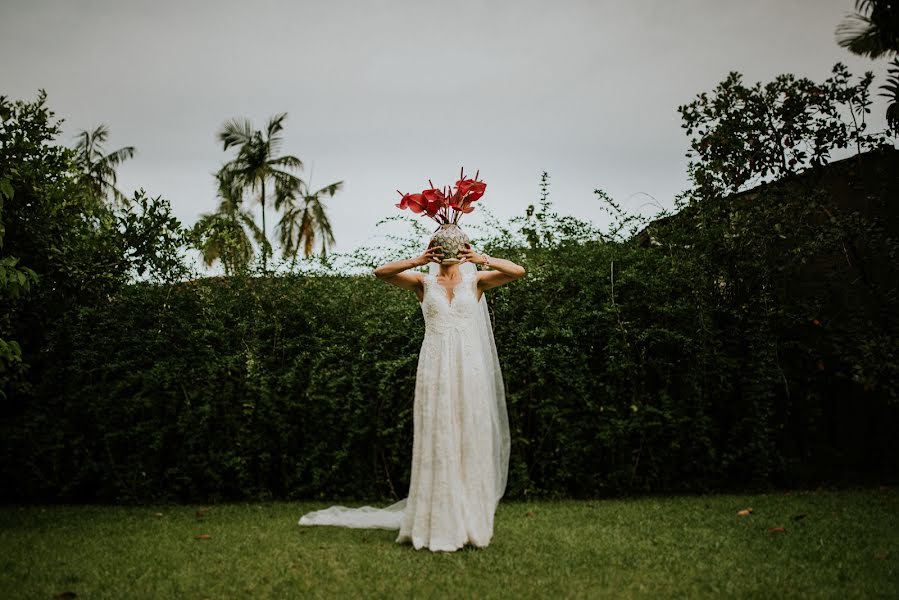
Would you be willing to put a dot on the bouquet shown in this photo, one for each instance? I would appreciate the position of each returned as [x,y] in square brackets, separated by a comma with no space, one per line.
[445,206]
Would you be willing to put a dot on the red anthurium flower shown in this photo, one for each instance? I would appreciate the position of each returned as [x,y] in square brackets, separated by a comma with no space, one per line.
[432,194]
[462,186]
[458,201]
[404,204]
[466,205]
[446,205]
[476,190]
[414,202]
[435,200]
[470,188]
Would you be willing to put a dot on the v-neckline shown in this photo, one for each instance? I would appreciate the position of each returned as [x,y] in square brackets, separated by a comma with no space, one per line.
[444,288]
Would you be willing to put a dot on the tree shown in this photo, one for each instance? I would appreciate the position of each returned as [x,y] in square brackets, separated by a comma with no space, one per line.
[15,281]
[98,169]
[222,235]
[892,92]
[79,252]
[744,135]
[302,224]
[873,31]
[257,162]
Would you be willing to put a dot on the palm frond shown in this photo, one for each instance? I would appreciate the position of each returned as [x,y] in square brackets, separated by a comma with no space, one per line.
[229,191]
[235,132]
[873,30]
[209,241]
[322,221]
[330,190]
[857,34]
[82,147]
[891,91]
[114,159]
[288,181]
[98,170]
[247,219]
[287,161]
[99,135]
[307,232]
[275,124]
[285,195]
[287,230]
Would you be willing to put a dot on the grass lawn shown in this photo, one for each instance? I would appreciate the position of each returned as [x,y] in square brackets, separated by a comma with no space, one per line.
[846,546]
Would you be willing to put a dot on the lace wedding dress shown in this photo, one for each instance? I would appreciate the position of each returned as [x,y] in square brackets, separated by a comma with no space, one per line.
[460,451]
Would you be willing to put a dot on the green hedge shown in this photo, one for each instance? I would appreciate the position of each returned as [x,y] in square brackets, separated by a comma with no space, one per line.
[746,340]
[743,341]
[302,387]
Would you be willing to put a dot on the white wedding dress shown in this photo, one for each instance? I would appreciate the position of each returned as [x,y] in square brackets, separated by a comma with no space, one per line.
[460,453]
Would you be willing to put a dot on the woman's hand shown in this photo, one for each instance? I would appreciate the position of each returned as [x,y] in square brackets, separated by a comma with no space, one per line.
[392,272]
[431,254]
[467,254]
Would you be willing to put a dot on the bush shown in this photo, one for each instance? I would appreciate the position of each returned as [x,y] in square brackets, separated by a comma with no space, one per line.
[684,364]
[747,340]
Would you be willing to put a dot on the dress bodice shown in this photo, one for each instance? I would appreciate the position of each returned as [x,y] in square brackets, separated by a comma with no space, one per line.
[441,313]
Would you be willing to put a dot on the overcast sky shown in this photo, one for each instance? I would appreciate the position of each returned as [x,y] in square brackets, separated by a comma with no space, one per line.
[386,94]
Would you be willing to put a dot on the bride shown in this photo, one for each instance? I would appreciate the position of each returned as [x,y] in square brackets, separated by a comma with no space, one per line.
[460,450]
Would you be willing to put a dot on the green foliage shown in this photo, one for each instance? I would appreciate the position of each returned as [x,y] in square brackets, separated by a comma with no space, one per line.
[686,364]
[98,169]
[305,220]
[228,386]
[79,252]
[873,30]
[257,164]
[151,240]
[45,224]
[14,282]
[744,341]
[746,135]
[891,91]
[222,235]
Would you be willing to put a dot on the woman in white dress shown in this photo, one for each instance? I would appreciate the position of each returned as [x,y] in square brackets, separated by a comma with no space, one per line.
[460,453]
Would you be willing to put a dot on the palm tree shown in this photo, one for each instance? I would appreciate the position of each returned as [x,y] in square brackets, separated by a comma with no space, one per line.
[97,168]
[892,92]
[873,30]
[257,162]
[302,223]
[222,235]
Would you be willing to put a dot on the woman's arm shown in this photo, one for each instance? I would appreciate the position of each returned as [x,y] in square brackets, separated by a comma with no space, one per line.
[393,272]
[505,271]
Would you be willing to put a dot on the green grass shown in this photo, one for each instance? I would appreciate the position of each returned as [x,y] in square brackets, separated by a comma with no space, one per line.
[846,546]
